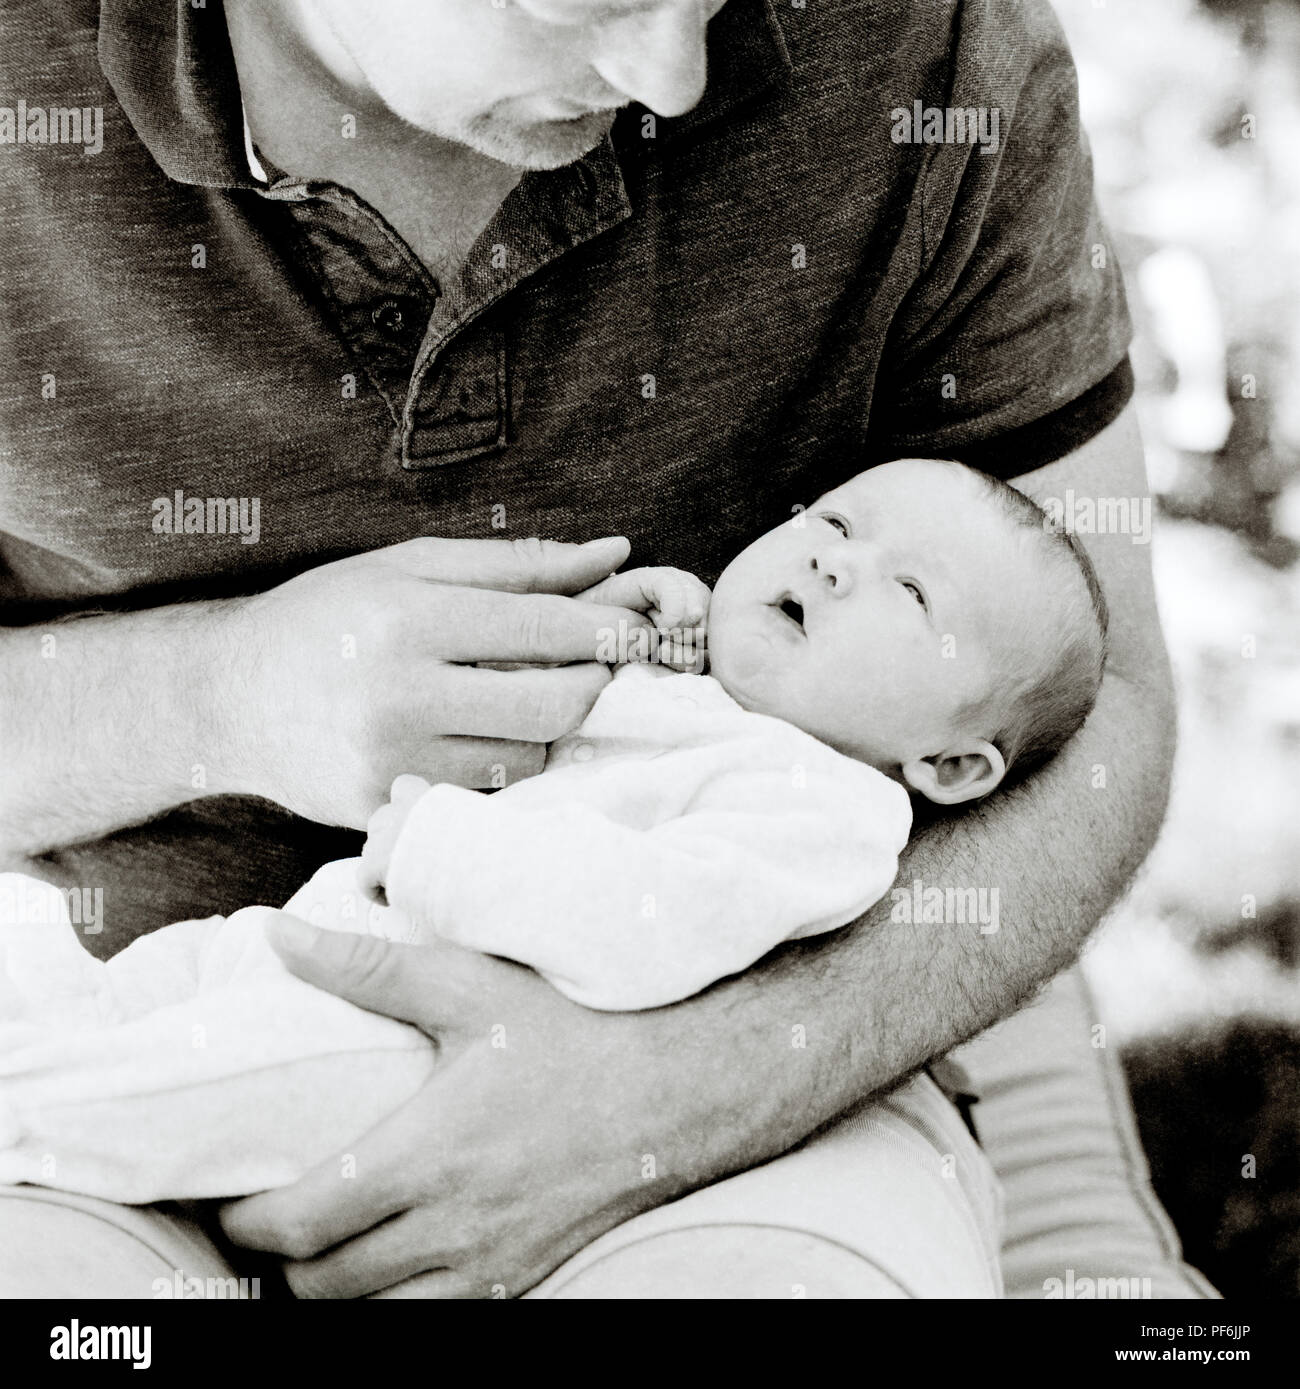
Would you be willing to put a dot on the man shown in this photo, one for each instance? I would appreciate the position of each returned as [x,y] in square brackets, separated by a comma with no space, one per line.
[479,271]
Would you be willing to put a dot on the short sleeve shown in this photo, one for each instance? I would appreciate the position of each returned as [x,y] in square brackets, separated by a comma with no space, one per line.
[1011,349]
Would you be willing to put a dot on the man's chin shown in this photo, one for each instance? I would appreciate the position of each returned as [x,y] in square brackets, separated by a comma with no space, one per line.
[542,145]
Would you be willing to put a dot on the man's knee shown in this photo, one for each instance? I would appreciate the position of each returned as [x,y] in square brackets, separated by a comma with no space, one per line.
[895,1200]
[729,1261]
[55,1245]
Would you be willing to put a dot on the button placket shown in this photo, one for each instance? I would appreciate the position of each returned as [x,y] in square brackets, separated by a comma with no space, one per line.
[381,295]
[546,215]
[462,410]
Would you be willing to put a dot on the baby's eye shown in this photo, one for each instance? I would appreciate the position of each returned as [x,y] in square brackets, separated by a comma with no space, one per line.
[915,591]
[838,522]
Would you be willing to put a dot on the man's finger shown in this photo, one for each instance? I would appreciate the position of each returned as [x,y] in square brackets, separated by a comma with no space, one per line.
[479,763]
[517,566]
[378,1261]
[533,628]
[381,976]
[439,1284]
[531,706]
[323,1208]
[435,986]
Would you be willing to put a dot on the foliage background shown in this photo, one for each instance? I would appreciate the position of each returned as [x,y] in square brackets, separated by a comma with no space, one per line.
[1193,109]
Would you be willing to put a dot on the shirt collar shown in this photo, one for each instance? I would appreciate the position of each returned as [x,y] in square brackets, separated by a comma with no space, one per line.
[255,165]
[188,112]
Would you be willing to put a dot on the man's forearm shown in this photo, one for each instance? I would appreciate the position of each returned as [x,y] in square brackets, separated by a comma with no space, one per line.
[105,721]
[801,1037]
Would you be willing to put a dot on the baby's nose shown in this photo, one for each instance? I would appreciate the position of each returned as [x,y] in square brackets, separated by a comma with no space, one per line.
[834,572]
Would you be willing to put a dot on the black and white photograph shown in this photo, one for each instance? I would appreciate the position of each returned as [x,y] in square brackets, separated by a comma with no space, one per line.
[649,651]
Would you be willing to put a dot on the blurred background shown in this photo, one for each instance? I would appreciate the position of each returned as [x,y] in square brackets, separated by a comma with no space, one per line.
[1193,108]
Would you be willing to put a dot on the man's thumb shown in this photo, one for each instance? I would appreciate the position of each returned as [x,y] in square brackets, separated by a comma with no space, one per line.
[378,975]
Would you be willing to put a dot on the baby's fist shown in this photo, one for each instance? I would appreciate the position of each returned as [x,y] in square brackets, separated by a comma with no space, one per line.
[382,834]
[674,600]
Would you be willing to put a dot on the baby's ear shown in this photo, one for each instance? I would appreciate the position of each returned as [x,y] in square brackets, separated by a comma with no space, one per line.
[960,774]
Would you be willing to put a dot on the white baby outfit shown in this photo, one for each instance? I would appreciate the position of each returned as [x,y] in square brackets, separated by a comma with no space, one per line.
[673,839]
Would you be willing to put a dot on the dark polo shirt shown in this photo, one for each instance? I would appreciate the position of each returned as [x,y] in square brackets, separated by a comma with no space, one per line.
[679,338]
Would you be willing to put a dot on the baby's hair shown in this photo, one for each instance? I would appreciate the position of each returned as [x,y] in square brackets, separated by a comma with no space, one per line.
[1041,710]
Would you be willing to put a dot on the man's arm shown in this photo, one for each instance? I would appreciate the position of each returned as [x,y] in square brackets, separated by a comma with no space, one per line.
[106,721]
[533,1138]
[110,720]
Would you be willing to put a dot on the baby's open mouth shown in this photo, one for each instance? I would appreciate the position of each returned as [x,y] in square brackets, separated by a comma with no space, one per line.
[791,608]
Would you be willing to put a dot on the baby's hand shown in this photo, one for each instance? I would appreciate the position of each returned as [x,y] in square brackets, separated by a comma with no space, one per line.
[674,600]
[382,833]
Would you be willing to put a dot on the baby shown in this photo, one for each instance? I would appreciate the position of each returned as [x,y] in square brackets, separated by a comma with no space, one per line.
[920,631]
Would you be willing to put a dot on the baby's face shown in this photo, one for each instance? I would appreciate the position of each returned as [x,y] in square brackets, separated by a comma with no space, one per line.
[871,619]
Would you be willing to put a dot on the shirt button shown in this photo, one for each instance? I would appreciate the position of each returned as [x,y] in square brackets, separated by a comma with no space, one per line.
[391,316]
[584,752]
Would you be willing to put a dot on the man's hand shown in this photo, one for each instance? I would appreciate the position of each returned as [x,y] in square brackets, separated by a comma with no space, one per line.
[451,1197]
[315,694]
[353,673]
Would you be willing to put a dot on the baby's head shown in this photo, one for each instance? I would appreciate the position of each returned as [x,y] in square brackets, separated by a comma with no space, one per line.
[923,618]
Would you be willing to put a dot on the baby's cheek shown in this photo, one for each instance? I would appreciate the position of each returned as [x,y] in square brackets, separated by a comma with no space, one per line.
[743,668]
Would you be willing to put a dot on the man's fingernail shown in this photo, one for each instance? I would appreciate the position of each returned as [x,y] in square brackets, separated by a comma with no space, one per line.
[604,540]
[294,933]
